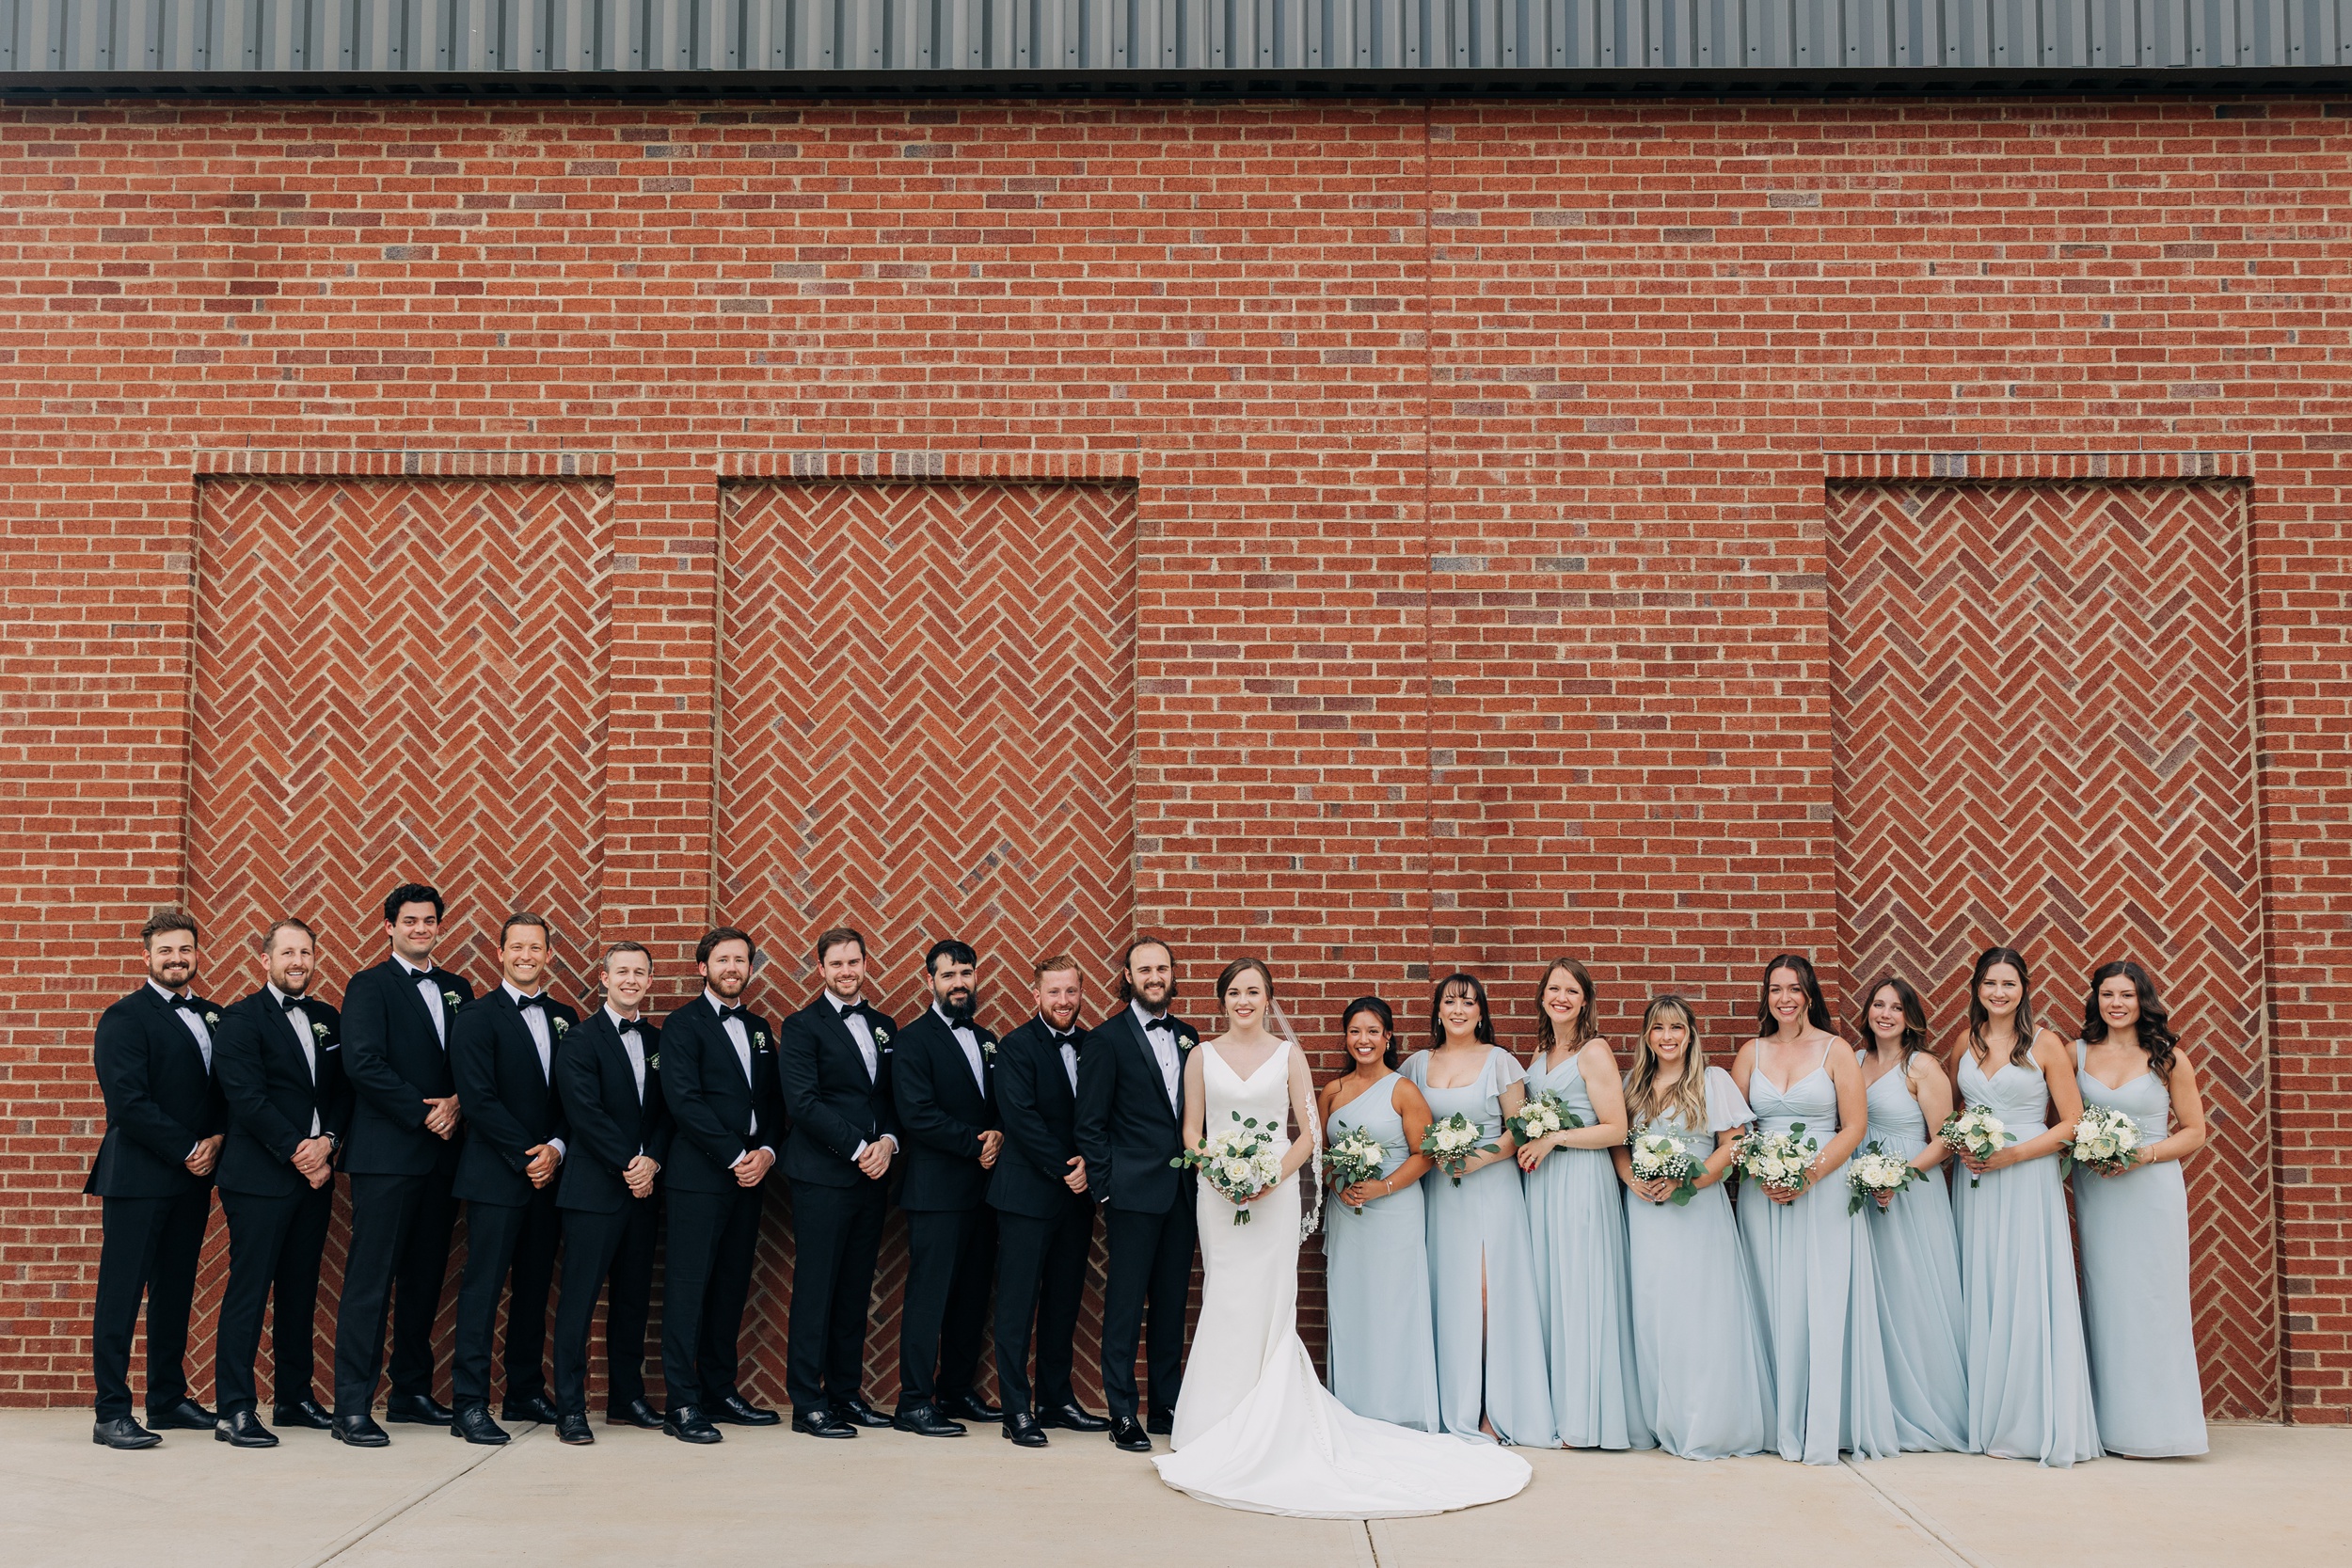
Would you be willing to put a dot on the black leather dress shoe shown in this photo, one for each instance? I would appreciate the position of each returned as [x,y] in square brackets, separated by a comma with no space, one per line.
[636,1413]
[573,1429]
[537,1407]
[924,1420]
[1159,1425]
[858,1412]
[122,1433]
[418,1409]
[822,1423]
[474,1425]
[359,1432]
[1070,1418]
[187,1415]
[1128,1434]
[305,1413]
[735,1410]
[1022,1427]
[243,1429]
[970,1407]
[685,1422]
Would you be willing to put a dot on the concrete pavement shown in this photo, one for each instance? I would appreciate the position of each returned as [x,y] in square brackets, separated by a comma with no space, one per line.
[769,1496]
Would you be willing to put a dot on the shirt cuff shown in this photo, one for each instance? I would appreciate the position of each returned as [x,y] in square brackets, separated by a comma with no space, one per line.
[859,1152]
[557,1144]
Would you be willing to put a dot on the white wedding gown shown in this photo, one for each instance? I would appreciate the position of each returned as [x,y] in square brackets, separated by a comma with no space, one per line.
[1255,1428]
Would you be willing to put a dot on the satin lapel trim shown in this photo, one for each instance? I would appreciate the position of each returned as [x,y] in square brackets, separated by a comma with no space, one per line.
[727,1042]
[401,978]
[1152,1065]
[841,1033]
[172,1017]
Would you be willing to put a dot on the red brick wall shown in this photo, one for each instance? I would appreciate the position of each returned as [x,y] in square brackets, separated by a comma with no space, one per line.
[1479,458]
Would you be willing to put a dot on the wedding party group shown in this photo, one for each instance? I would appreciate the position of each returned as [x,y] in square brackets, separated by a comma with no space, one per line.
[1518,1255]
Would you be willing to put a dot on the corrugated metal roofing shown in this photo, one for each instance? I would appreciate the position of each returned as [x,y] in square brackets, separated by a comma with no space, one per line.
[341,45]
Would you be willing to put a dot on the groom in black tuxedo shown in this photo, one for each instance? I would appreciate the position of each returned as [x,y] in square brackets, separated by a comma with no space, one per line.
[1130,1126]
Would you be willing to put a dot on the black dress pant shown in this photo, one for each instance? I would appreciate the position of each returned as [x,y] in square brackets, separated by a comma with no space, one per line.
[1151,1262]
[506,1244]
[951,1259]
[837,1235]
[713,1238]
[148,1249]
[274,1248]
[1041,1276]
[400,1235]
[601,1250]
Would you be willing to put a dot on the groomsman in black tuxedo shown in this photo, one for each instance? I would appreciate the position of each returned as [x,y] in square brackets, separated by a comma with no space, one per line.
[719,1081]
[279,1060]
[1130,1126]
[609,1076]
[835,1065]
[1044,1217]
[153,1179]
[943,1085]
[402,1159]
[503,1047]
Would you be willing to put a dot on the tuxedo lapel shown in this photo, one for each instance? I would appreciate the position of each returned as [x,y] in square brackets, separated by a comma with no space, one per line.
[169,1017]
[1152,1065]
[406,983]
[847,1041]
[518,1033]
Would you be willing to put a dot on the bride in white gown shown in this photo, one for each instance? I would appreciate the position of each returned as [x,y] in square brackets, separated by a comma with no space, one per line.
[1255,1428]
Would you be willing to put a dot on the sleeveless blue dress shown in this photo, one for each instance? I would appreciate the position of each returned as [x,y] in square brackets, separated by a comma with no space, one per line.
[1576,1214]
[1819,1291]
[2028,1377]
[1383,1347]
[1917,1252]
[2135,1250]
[1478,1233]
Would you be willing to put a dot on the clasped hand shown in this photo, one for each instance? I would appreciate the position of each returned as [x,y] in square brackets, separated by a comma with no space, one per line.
[315,1159]
[544,1159]
[206,1154]
[638,1175]
[992,1145]
[442,1120]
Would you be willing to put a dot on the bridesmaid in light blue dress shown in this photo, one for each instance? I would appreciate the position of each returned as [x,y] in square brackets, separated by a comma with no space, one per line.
[1814,1274]
[2028,1376]
[1376,1247]
[1913,1243]
[1491,1376]
[1576,1211]
[1706,1387]
[2135,1223]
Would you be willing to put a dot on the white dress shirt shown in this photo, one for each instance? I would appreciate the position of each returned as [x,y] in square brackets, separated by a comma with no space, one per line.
[863,1033]
[1163,1042]
[740,1038]
[535,1020]
[1069,1049]
[971,1043]
[299,1022]
[196,1027]
[432,994]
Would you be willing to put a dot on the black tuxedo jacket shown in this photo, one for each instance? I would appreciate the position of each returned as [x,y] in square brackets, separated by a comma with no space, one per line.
[271,1094]
[161,1099]
[609,1123]
[394,1062]
[1039,1112]
[835,1106]
[1125,1130]
[941,1113]
[710,1105]
[511,1106]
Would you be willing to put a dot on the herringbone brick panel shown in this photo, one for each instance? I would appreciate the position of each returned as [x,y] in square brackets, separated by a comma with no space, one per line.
[395,680]
[2042,737]
[926,730]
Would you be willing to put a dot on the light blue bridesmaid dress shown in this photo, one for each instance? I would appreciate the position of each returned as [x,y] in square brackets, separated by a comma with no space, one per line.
[2029,1380]
[1819,1291]
[1917,1252]
[1384,1348]
[2135,1234]
[1478,1231]
[1698,1336]
[1576,1214]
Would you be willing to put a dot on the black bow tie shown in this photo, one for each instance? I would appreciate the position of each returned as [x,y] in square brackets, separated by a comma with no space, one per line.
[289,1003]
[188,1004]
[845,1014]
[1162,1023]
[734,1015]
[1061,1040]
[539,1002]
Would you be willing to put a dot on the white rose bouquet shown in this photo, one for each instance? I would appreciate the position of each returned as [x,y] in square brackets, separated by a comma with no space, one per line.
[1776,1159]
[1543,1115]
[1877,1171]
[1660,1157]
[1240,1163]
[1452,1140]
[1354,1156]
[1973,1130]
[2106,1139]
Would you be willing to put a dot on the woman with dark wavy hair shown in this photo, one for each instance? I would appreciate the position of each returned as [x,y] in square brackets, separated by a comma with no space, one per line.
[2134,1222]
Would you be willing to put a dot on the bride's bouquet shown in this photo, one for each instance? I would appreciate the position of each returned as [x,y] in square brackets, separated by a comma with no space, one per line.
[1543,1115]
[1452,1140]
[1776,1159]
[1660,1157]
[1877,1171]
[1240,1163]
[1973,1130]
[1355,1156]
[2106,1139]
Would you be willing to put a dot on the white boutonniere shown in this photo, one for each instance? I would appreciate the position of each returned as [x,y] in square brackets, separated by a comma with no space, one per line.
[759,1039]
[318,1033]
[881,1038]
[988,1047]
[652,1062]
[561,1028]
[450,997]
[212,1020]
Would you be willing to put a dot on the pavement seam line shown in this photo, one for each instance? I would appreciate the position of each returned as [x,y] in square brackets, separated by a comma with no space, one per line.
[1372,1548]
[1926,1525]
[385,1515]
